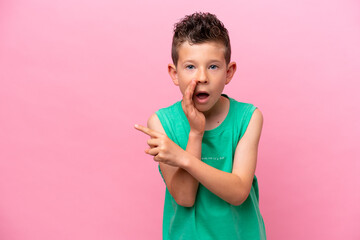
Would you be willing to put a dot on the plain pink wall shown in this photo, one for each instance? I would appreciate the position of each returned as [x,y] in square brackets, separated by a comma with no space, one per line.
[75,76]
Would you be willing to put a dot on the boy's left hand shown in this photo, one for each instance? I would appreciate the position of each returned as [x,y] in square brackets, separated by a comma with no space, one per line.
[162,148]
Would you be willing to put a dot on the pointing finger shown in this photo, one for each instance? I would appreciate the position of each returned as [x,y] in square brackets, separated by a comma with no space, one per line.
[147,131]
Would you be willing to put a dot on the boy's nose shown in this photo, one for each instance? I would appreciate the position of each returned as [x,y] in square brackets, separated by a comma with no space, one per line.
[202,80]
[201,77]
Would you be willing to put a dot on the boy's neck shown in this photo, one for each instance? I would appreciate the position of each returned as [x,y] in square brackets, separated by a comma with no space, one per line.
[216,115]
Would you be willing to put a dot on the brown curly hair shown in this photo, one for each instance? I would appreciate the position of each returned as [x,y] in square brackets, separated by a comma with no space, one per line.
[199,28]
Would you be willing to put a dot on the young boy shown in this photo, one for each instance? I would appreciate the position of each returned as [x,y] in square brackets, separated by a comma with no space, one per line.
[206,144]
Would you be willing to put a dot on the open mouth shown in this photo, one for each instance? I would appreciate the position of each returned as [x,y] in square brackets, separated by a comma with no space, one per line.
[202,97]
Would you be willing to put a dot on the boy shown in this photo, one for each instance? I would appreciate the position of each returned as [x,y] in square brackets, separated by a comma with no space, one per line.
[206,144]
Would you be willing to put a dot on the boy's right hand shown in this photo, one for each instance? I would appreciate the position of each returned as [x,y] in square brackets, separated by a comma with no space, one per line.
[196,118]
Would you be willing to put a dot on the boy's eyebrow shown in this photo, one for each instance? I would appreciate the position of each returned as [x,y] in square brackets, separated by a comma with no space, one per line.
[211,60]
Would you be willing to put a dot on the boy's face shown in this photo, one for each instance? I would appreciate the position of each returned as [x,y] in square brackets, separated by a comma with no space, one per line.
[204,62]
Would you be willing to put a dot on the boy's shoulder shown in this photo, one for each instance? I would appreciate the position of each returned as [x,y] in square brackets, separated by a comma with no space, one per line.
[240,106]
[170,112]
[164,116]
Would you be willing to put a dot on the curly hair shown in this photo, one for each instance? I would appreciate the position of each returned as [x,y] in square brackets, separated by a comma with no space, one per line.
[199,28]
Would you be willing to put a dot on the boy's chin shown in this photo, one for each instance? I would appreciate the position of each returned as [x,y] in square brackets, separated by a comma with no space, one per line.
[202,108]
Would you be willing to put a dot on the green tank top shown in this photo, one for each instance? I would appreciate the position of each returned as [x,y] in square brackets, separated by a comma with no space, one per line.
[211,217]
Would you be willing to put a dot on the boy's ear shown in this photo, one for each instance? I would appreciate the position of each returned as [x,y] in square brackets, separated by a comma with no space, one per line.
[230,72]
[173,74]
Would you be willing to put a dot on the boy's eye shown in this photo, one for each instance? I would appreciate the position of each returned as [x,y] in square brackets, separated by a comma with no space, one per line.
[190,66]
[213,67]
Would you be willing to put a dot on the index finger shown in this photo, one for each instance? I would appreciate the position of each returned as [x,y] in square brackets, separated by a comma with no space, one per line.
[189,92]
[147,131]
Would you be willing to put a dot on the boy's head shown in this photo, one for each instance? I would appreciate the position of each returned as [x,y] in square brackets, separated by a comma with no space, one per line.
[199,28]
[201,52]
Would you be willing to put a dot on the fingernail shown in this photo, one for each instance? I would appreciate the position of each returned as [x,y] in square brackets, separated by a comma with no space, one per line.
[136,125]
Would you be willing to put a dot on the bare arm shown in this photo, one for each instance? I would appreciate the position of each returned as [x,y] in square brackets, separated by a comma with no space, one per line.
[232,187]
[181,185]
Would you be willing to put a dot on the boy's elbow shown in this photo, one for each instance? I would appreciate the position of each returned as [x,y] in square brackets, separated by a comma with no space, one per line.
[239,199]
[237,202]
[185,202]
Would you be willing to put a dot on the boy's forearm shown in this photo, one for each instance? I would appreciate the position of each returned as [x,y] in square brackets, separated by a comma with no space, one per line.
[194,144]
[182,182]
[227,186]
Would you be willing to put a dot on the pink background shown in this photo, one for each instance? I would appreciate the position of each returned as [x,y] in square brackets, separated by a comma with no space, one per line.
[75,76]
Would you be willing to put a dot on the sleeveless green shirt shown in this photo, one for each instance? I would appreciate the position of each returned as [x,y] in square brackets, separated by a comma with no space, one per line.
[211,217]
